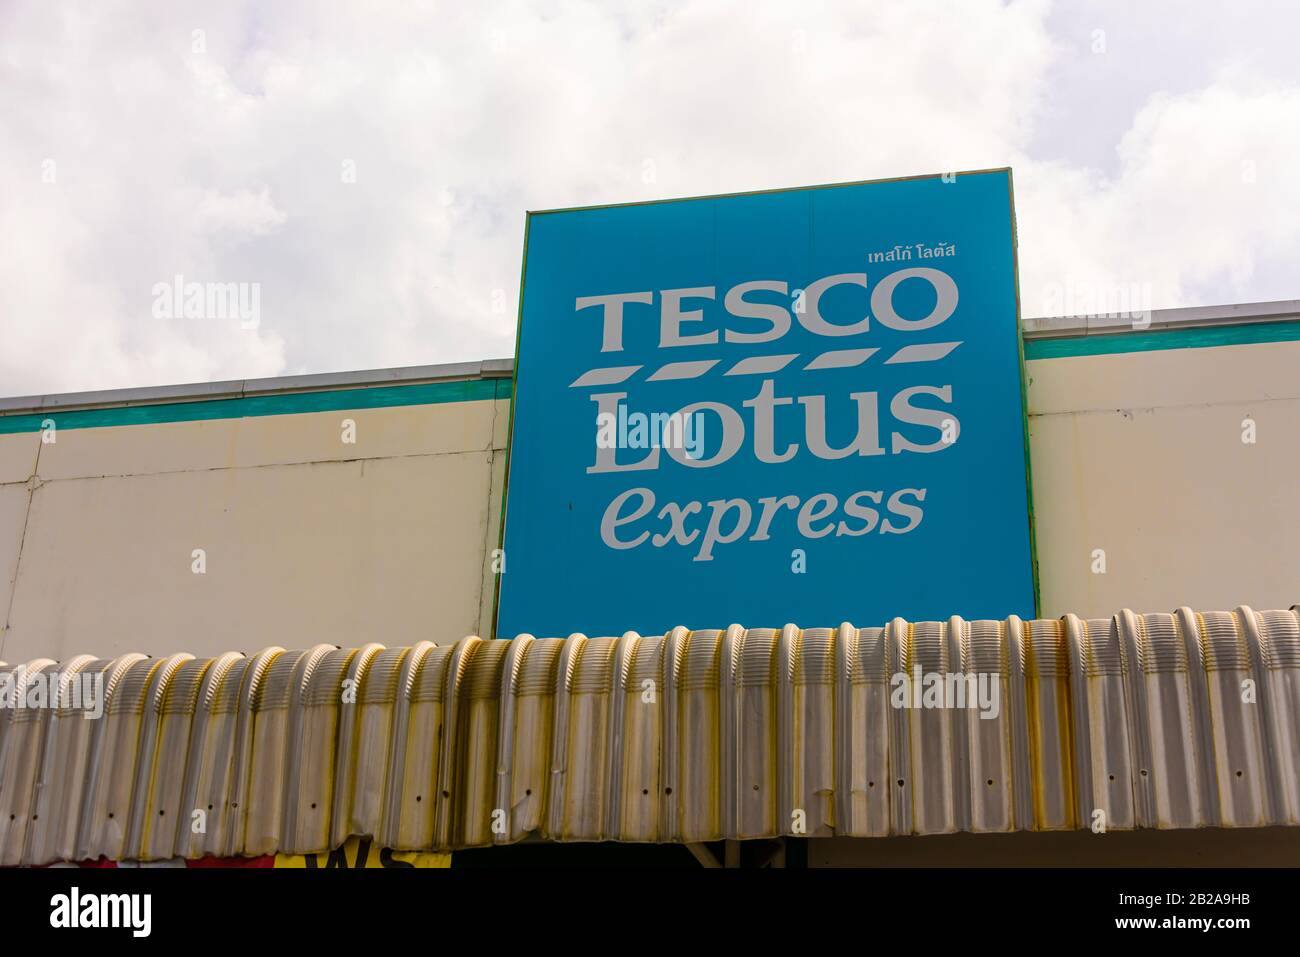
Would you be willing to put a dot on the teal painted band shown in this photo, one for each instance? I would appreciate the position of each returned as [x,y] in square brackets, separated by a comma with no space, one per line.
[1162,339]
[367,397]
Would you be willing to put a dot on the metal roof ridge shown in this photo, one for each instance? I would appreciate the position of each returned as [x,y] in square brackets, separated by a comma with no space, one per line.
[244,388]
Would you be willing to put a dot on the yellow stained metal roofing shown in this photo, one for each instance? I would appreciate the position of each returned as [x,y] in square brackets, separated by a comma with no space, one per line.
[1162,720]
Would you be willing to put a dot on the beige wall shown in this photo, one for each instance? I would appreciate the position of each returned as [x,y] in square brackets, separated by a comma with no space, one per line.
[1141,455]
[309,540]
[306,539]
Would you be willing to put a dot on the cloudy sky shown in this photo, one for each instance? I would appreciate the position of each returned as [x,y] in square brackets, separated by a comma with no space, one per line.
[368,165]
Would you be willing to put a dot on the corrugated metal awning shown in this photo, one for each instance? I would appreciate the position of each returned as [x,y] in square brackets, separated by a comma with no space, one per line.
[1165,720]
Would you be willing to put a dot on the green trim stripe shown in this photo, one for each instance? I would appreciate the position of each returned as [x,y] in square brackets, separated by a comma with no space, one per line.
[1190,338]
[332,400]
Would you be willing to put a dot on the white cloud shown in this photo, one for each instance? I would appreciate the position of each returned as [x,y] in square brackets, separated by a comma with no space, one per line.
[1204,193]
[232,164]
[242,211]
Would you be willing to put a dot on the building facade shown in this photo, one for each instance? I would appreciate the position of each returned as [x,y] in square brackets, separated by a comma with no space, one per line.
[359,507]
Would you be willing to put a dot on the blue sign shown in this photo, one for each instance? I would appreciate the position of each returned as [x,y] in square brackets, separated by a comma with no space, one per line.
[797,406]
